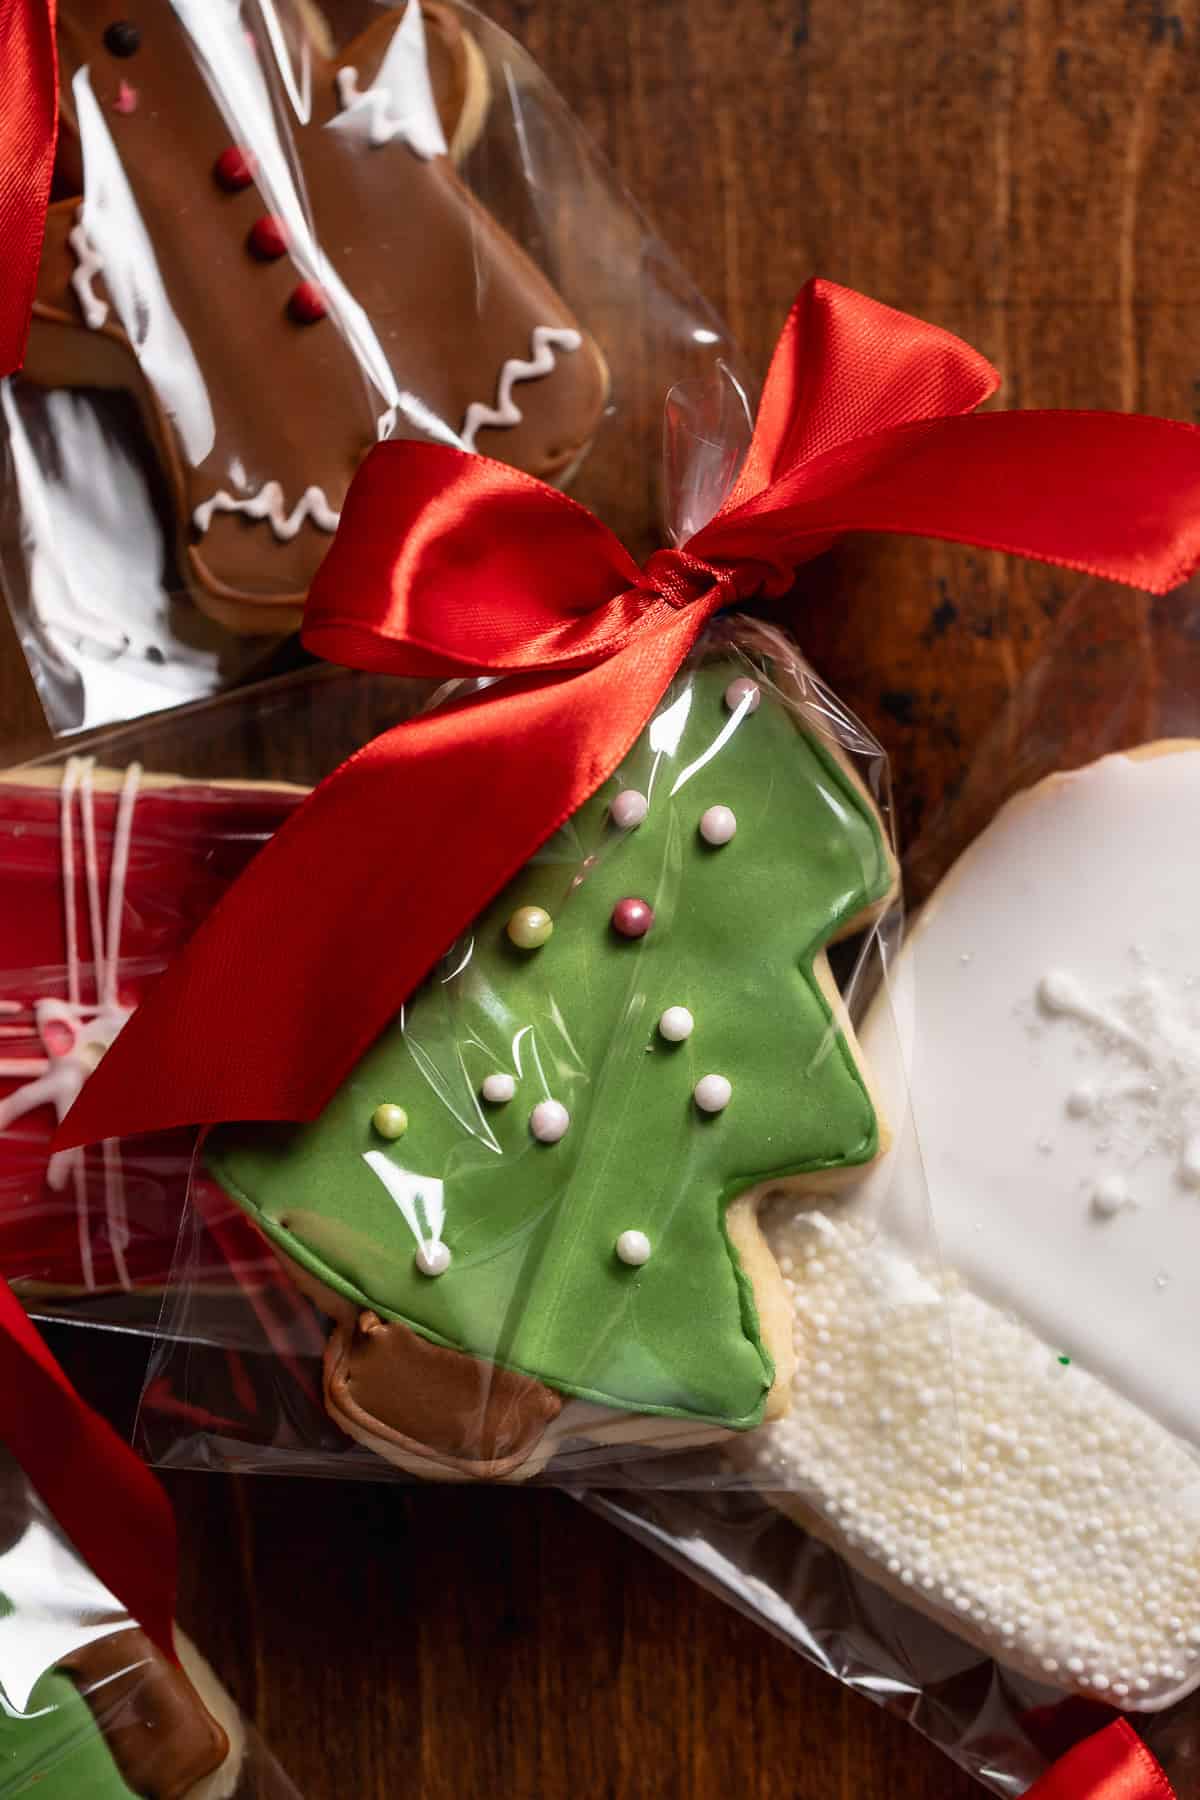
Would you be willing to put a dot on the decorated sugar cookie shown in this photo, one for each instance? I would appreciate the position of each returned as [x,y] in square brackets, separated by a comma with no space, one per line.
[89,1709]
[103,875]
[279,297]
[995,1408]
[531,1209]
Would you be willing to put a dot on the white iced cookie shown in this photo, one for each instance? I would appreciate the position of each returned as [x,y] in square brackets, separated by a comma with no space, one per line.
[996,1407]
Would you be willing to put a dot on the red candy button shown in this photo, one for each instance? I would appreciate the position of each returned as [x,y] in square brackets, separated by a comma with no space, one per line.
[234,169]
[308,303]
[267,238]
[632,917]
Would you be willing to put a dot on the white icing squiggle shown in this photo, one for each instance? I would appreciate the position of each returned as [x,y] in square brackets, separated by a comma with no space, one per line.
[376,107]
[75,1034]
[90,264]
[545,341]
[399,102]
[269,504]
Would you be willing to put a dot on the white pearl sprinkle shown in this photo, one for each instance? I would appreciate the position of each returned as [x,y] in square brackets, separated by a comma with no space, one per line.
[629,809]
[548,1121]
[1086,1570]
[633,1247]
[712,1093]
[745,692]
[1109,1197]
[676,1024]
[432,1259]
[499,1088]
[718,825]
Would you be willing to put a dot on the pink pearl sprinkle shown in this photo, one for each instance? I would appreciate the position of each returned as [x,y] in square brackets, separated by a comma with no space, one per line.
[126,100]
[632,917]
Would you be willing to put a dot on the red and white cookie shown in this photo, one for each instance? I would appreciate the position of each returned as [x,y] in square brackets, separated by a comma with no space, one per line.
[103,876]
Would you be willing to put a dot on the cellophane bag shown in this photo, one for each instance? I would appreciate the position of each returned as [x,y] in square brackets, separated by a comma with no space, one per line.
[525,1238]
[543,1229]
[111,854]
[89,1709]
[1015,1578]
[280,231]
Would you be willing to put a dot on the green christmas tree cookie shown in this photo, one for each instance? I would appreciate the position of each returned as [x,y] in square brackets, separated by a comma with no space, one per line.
[551,1162]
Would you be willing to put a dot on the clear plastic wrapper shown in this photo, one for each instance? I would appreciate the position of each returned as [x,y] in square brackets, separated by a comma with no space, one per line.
[487,1259]
[1012,1575]
[111,855]
[89,1709]
[504,1227]
[561,1354]
[279,233]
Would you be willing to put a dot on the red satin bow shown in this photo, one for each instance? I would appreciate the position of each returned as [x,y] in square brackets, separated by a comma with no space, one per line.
[446,562]
[106,1501]
[1114,1764]
[28,127]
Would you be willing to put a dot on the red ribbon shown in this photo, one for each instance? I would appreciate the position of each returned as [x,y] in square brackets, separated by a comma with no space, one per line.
[108,1503]
[446,563]
[28,128]
[1114,1764]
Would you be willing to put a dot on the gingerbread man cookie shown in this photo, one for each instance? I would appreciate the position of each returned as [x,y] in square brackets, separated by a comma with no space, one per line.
[269,248]
[994,1411]
[531,1210]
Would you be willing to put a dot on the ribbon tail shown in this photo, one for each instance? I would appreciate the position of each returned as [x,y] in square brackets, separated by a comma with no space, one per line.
[106,1500]
[350,905]
[847,366]
[28,129]
[1113,1764]
[1113,495]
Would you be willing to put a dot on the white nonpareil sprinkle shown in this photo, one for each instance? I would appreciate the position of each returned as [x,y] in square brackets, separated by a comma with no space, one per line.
[955,1455]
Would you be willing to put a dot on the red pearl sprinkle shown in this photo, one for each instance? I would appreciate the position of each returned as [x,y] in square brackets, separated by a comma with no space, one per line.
[308,303]
[267,238]
[632,917]
[234,169]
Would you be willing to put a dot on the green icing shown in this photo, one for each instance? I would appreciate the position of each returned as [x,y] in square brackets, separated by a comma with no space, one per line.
[534,1282]
[55,1749]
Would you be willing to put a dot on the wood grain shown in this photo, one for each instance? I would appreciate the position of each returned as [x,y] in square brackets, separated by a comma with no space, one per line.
[1023,172]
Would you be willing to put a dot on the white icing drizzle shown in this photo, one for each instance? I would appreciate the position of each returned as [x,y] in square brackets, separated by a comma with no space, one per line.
[1142,1091]
[89,264]
[965,1464]
[545,340]
[383,124]
[399,102]
[269,504]
[420,1198]
[75,1033]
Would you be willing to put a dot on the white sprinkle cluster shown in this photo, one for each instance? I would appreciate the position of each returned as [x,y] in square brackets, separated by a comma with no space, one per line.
[958,1460]
[1139,1095]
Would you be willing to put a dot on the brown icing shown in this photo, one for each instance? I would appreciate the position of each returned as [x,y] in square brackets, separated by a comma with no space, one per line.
[387,1382]
[161,1736]
[450,297]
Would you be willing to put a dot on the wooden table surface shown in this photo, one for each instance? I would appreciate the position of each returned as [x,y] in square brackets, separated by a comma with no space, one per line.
[1024,172]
